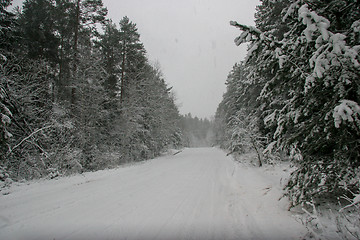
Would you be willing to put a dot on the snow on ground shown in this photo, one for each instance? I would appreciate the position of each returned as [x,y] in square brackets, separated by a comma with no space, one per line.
[196,194]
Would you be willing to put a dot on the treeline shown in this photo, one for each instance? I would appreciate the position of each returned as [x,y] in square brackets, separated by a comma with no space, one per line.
[197,132]
[297,93]
[75,99]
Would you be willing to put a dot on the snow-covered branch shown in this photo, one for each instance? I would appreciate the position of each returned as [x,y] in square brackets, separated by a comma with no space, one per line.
[26,138]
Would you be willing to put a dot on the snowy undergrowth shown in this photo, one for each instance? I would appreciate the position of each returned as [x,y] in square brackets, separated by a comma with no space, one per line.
[331,220]
[7,185]
[323,218]
[276,174]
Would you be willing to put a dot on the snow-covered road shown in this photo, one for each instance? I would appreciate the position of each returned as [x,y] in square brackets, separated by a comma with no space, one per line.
[197,194]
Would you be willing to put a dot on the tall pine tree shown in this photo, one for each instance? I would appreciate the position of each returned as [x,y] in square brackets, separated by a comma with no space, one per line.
[304,57]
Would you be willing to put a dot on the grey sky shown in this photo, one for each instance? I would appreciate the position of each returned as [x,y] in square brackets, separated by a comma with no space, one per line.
[193,42]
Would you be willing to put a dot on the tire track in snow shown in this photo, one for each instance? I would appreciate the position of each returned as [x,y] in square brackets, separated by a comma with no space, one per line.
[196,194]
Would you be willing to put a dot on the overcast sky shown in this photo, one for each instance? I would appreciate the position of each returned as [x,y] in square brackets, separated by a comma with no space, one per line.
[192,41]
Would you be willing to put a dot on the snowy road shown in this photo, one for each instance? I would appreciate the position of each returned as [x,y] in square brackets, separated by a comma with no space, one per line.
[197,194]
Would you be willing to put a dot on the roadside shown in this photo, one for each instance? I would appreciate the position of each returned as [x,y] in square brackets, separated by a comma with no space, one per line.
[196,194]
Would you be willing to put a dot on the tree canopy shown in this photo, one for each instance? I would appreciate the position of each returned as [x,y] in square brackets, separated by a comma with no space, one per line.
[73,99]
[298,89]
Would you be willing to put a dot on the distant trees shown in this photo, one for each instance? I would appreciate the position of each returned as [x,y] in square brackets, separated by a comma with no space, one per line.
[197,132]
[301,88]
[73,99]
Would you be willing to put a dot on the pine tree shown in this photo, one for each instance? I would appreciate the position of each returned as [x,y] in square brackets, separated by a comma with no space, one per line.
[87,13]
[238,114]
[52,28]
[122,105]
[110,47]
[7,28]
[143,114]
[307,61]
[132,56]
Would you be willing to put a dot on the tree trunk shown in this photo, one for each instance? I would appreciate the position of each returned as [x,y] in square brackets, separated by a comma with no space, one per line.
[75,49]
[122,80]
[257,151]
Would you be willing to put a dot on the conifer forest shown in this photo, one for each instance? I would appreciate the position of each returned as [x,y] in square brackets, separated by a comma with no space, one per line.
[78,94]
[297,94]
[74,99]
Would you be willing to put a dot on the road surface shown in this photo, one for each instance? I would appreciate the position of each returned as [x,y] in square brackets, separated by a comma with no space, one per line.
[196,194]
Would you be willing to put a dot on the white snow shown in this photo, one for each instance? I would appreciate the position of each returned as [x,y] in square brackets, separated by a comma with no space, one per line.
[196,194]
[356,26]
[347,111]
[270,147]
[313,22]
[290,10]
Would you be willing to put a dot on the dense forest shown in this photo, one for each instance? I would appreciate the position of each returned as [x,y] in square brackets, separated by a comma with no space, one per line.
[197,132]
[297,94]
[77,92]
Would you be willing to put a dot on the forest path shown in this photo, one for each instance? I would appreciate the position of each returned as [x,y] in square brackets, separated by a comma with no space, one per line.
[197,194]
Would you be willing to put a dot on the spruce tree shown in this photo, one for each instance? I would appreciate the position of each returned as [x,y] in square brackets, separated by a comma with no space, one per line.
[304,56]
[132,56]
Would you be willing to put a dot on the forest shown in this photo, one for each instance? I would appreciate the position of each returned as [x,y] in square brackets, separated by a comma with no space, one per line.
[296,96]
[78,92]
[197,132]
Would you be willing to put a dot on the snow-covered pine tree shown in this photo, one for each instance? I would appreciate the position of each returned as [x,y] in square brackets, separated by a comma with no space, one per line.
[37,25]
[103,127]
[109,45]
[133,57]
[6,30]
[5,116]
[144,115]
[241,111]
[308,63]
